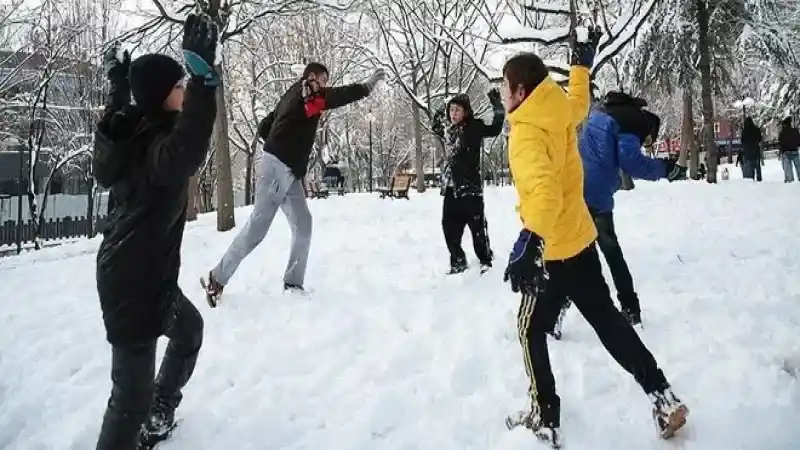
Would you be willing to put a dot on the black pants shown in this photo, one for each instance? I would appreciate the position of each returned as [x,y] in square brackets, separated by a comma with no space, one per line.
[458,213]
[581,279]
[132,370]
[609,245]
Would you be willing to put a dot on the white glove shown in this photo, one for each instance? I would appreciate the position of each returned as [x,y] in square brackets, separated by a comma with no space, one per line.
[378,75]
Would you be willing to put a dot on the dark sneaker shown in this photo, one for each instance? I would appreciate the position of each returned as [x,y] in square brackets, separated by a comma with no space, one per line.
[158,427]
[633,317]
[294,288]
[532,420]
[485,266]
[669,413]
[457,266]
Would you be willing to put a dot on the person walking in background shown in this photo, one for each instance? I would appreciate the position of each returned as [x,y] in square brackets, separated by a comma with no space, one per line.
[288,133]
[751,149]
[789,141]
[146,153]
[462,183]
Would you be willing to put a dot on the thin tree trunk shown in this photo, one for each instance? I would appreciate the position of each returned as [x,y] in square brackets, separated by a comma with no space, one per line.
[248,177]
[688,150]
[419,161]
[191,204]
[222,161]
[706,92]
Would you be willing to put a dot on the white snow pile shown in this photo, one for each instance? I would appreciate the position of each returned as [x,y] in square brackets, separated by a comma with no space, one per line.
[390,353]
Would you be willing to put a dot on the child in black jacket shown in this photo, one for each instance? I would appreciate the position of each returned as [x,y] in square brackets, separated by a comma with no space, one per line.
[145,153]
[462,183]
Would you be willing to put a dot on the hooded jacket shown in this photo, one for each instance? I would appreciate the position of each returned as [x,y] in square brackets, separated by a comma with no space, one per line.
[789,137]
[610,140]
[147,161]
[751,140]
[289,130]
[462,143]
[547,170]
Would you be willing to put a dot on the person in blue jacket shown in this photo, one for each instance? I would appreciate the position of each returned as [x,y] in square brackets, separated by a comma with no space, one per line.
[611,140]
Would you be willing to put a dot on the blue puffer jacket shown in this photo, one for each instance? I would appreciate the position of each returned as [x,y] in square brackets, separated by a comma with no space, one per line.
[605,148]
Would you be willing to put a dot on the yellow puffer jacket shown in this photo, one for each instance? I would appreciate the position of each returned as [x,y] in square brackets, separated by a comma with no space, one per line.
[546,166]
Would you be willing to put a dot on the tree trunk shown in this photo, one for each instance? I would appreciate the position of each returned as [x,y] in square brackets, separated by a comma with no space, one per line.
[706,92]
[419,162]
[688,148]
[222,161]
[248,177]
[191,204]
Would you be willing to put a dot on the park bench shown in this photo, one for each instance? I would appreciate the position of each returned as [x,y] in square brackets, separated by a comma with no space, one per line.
[399,186]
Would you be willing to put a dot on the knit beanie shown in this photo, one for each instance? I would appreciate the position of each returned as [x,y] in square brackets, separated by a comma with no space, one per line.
[152,78]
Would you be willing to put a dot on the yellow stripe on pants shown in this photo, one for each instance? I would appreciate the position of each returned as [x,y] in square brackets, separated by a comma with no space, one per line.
[524,315]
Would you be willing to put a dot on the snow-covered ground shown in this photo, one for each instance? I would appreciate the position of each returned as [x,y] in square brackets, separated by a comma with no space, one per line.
[389,353]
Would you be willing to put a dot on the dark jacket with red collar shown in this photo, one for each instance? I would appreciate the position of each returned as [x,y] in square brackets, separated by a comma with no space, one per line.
[289,130]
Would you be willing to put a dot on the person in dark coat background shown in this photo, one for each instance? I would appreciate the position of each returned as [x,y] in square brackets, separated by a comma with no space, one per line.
[146,153]
[462,183]
[789,141]
[751,149]
[612,139]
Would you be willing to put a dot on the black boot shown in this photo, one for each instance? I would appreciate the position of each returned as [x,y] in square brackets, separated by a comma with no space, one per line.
[159,425]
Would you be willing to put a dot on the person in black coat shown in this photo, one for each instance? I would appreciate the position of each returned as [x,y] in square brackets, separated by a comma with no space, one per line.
[462,184]
[751,149]
[145,153]
[789,141]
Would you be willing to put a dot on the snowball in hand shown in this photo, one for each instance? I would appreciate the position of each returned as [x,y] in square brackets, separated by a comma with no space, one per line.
[582,34]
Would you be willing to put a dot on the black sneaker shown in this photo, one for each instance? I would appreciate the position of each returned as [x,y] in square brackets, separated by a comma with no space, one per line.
[294,288]
[532,420]
[457,266]
[158,427]
[485,266]
[633,317]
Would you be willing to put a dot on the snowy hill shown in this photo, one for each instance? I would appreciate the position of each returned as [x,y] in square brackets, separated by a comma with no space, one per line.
[389,353]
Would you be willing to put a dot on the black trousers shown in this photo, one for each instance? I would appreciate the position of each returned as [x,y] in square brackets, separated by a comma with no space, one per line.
[609,245]
[134,390]
[581,279]
[458,213]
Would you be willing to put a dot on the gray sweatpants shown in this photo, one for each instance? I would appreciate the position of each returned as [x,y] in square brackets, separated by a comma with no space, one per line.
[276,187]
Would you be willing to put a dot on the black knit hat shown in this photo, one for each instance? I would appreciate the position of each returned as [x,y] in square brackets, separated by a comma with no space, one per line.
[152,79]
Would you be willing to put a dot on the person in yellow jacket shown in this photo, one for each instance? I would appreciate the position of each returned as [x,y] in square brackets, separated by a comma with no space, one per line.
[555,255]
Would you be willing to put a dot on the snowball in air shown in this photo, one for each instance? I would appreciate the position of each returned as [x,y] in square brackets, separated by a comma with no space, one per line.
[582,34]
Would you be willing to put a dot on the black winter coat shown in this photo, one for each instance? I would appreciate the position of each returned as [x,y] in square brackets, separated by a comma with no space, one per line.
[147,163]
[789,139]
[751,141]
[462,143]
[289,130]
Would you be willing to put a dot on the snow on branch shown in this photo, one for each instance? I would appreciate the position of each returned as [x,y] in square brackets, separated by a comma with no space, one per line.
[515,33]
[548,8]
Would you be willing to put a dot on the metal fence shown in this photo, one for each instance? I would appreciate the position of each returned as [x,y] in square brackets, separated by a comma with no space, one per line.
[65,217]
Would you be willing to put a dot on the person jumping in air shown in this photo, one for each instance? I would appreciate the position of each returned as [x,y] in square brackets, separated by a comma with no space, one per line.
[146,153]
[612,139]
[462,183]
[288,133]
[554,256]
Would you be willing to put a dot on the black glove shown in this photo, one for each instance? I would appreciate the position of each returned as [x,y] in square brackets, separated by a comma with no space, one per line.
[525,269]
[583,53]
[200,35]
[674,170]
[494,97]
[117,70]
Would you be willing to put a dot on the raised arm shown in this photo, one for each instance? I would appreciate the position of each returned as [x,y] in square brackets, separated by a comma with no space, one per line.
[176,156]
[344,95]
[498,116]
[578,91]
